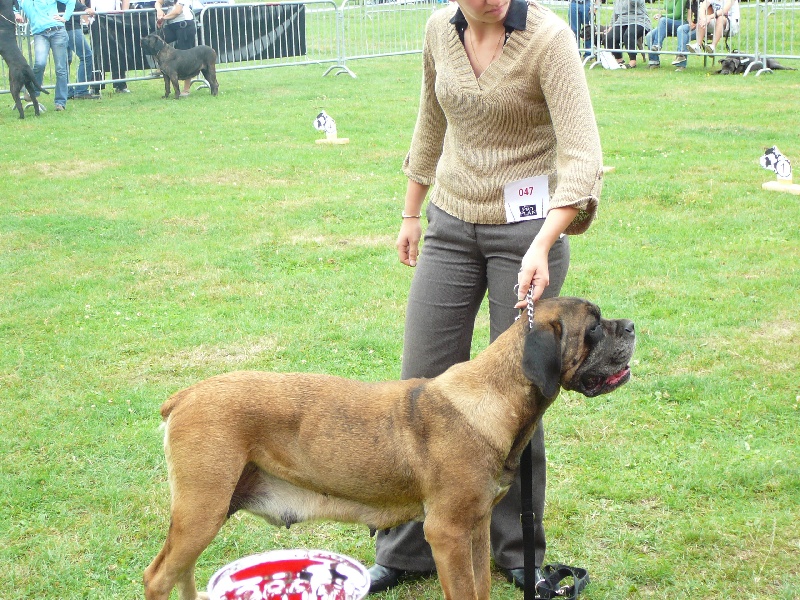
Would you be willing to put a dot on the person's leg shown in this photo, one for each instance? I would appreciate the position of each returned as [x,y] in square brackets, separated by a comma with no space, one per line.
[41,50]
[58,41]
[70,52]
[631,34]
[612,42]
[504,246]
[58,46]
[84,53]
[720,25]
[683,35]
[654,39]
[586,19]
[575,20]
[186,40]
[446,292]
[700,35]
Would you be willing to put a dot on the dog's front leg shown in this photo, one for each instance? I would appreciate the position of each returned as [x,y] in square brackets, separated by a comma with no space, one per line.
[451,543]
[166,86]
[480,557]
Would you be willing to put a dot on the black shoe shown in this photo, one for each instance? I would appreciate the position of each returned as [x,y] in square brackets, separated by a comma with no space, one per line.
[517,576]
[385,578]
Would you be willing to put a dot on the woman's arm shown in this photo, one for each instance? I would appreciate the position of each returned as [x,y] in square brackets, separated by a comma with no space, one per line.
[411,229]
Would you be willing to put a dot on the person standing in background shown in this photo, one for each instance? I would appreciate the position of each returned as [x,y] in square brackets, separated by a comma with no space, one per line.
[78,46]
[49,35]
[118,58]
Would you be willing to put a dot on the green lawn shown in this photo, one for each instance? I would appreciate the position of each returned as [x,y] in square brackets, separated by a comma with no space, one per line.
[146,244]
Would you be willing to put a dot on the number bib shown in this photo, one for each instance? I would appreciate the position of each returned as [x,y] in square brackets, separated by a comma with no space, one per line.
[527,199]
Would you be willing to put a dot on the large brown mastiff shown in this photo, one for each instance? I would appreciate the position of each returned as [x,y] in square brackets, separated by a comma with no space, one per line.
[295,447]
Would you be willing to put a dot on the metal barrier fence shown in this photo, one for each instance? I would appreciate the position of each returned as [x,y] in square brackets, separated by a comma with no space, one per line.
[264,35]
[766,29]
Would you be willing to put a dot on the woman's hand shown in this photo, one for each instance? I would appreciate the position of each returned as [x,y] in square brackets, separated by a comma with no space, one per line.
[535,272]
[408,241]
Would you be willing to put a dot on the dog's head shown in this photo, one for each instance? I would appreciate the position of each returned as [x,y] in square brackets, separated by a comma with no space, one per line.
[152,44]
[729,65]
[573,347]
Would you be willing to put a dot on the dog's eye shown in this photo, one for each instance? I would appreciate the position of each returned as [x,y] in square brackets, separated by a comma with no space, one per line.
[595,333]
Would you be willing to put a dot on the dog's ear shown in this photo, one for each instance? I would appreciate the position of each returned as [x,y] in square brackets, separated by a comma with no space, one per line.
[541,360]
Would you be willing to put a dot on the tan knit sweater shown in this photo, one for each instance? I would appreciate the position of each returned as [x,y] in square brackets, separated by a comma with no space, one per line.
[528,114]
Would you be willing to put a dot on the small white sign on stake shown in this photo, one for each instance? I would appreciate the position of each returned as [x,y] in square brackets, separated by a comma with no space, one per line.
[324,122]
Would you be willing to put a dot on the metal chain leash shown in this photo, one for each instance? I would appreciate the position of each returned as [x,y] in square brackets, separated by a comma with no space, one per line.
[529,298]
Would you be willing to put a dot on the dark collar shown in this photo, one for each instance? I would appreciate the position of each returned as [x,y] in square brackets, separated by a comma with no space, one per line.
[516,18]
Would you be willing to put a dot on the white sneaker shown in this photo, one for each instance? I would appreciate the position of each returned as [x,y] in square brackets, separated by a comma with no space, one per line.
[710,48]
[695,47]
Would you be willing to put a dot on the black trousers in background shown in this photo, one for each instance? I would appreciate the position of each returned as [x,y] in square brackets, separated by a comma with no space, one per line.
[458,264]
[623,36]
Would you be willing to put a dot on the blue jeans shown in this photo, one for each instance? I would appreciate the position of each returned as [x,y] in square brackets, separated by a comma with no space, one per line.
[55,40]
[666,27]
[685,35]
[80,47]
[580,16]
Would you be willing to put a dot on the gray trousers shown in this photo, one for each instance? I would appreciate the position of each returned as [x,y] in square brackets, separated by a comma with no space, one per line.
[458,264]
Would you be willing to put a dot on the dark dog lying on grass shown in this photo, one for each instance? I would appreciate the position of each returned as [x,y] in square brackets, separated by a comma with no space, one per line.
[20,73]
[182,64]
[736,64]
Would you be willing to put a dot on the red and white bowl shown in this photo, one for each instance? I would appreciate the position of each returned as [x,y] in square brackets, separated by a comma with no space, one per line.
[293,575]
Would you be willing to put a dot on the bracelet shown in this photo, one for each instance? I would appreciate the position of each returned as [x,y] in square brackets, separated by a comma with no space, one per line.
[405,216]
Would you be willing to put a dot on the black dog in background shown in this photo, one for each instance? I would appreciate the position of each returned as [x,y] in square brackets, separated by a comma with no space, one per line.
[20,73]
[736,64]
[181,64]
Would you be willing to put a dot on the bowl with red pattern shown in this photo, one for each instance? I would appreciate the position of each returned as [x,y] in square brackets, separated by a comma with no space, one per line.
[291,575]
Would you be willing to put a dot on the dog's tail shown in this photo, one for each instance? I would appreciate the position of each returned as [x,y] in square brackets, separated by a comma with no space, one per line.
[31,79]
[171,402]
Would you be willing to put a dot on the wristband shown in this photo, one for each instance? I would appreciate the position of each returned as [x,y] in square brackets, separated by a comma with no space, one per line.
[405,216]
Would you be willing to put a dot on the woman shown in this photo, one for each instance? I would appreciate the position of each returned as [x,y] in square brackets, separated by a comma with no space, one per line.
[505,127]
[629,24]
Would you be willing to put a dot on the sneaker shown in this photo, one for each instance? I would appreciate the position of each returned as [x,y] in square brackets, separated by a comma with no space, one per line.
[60,107]
[680,59]
[655,48]
[680,68]
[710,48]
[122,90]
[27,97]
[695,47]
[654,64]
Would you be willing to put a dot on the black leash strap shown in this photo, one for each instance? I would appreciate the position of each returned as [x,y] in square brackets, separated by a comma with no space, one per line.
[528,523]
[550,587]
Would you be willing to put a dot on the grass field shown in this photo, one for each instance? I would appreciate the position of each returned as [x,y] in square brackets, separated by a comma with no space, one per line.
[145,244]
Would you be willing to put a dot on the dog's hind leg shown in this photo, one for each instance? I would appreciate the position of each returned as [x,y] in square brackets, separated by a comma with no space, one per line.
[196,518]
[203,474]
[15,90]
